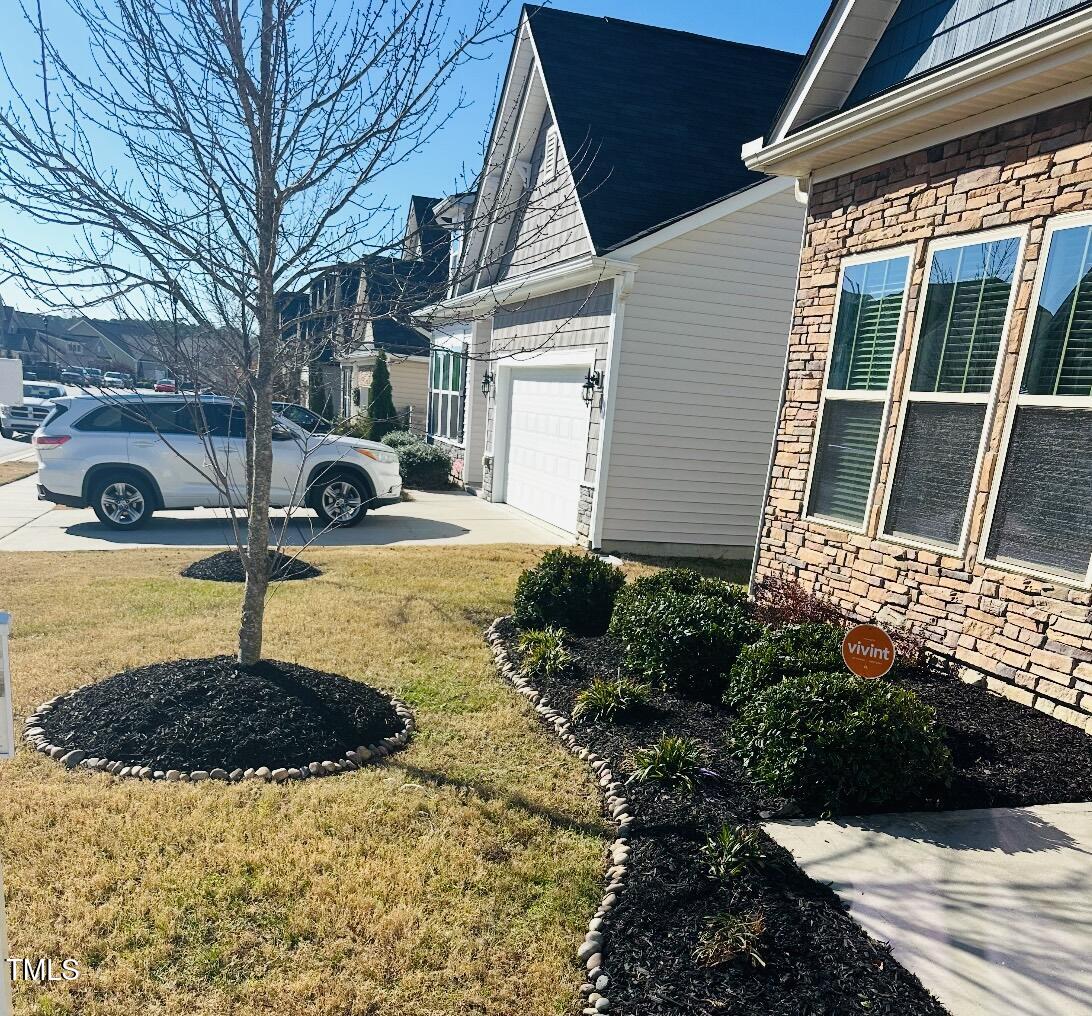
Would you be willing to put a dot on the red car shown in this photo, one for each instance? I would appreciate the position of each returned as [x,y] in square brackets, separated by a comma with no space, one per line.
[166,384]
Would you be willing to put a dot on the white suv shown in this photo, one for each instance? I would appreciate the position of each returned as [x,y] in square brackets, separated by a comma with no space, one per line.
[126,456]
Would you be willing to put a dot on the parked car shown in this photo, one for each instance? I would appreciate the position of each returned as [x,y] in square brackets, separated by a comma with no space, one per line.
[74,376]
[303,417]
[37,404]
[134,455]
[165,384]
[117,379]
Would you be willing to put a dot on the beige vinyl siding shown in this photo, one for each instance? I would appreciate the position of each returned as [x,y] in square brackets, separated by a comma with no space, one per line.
[700,366]
[409,384]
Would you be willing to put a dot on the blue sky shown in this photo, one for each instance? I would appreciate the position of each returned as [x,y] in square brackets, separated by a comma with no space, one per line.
[784,24]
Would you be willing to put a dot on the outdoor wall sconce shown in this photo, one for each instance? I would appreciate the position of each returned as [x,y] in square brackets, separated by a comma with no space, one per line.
[593,382]
[487,383]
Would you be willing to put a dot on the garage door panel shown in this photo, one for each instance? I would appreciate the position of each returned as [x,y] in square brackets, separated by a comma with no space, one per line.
[547,444]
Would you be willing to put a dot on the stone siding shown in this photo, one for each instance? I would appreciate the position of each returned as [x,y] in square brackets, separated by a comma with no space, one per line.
[1027,638]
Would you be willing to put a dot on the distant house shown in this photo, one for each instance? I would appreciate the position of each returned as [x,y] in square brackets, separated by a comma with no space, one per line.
[933,457]
[609,358]
[42,339]
[133,347]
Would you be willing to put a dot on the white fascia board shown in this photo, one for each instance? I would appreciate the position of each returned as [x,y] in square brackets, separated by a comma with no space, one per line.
[578,272]
[1019,58]
[704,217]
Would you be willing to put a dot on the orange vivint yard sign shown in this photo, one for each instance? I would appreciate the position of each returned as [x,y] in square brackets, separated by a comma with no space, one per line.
[868,651]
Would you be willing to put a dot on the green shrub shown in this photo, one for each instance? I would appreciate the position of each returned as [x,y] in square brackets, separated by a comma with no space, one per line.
[673,761]
[398,439]
[731,936]
[685,643]
[544,652]
[780,653]
[732,851]
[610,698]
[573,590]
[685,581]
[424,466]
[836,743]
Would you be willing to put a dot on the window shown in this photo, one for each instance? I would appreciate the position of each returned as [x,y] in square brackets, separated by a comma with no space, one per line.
[1042,512]
[868,320]
[968,294]
[445,413]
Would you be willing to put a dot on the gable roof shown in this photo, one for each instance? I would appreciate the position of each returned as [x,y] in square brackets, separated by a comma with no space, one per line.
[394,287]
[653,119]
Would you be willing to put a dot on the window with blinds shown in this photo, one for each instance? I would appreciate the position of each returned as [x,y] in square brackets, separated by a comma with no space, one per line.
[964,317]
[866,336]
[1042,516]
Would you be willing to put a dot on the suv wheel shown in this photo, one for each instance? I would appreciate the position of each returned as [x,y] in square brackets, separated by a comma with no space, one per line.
[6,433]
[340,499]
[122,501]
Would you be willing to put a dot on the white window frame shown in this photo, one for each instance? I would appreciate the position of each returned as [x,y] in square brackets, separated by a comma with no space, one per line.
[908,251]
[989,400]
[457,353]
[1016,400]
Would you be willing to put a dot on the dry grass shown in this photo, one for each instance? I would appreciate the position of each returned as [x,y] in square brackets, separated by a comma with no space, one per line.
[456,879]
[11,471]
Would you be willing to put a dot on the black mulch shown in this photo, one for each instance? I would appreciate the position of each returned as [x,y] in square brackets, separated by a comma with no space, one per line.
[228,567]
[818,961]
[213,714]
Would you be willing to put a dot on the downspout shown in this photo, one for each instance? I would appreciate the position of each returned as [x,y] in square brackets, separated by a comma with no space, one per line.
[801,191]
[623,286]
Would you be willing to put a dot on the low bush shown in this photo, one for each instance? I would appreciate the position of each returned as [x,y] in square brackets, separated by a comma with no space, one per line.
[779,602]
[685,581]
[677,762]
[837,743]
[780,653]
[570,589]
[398,439]
[686,643]
[732,851]
[729,937]
[608,699]
[544,652]
[424,466]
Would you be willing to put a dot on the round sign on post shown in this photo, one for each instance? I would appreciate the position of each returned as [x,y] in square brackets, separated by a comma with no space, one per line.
[868,651]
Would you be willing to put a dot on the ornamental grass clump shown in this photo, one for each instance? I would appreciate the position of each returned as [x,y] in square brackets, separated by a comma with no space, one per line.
[685,643]
[544,653]
[572,590]
[783,652]
[835,743]
[676,762]
[608,699]
[729,937]
[733,850]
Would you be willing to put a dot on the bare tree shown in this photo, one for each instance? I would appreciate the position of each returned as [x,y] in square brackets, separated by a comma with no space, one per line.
[215,155]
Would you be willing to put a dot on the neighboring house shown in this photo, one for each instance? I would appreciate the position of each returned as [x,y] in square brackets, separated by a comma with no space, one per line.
[133,347]
[624,289]
[389,290]
[42,339]
[933,459]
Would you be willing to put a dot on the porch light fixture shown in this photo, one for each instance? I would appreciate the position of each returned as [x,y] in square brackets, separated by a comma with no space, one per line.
[487,383]
[593,382]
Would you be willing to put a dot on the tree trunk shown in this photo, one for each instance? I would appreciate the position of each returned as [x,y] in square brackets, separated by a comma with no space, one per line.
[260,397]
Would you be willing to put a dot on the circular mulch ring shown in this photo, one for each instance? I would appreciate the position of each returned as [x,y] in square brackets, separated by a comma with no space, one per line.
[211,718]
[228,567]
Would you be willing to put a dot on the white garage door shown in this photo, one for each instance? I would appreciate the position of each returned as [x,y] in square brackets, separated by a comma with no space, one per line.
[547,443]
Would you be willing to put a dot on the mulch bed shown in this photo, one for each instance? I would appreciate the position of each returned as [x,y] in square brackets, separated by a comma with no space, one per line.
[212,713]
[819,962]
[228,567]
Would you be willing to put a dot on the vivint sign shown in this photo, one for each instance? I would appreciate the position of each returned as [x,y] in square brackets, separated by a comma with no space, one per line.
[7,726]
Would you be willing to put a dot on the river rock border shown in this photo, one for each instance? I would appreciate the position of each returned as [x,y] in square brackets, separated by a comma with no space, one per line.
[74,758]
[591,952]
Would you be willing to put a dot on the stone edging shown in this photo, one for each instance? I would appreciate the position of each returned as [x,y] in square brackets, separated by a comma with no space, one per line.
[73,758]
[590,953]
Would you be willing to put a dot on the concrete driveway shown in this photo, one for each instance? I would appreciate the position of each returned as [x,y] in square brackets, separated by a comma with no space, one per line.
[991,908]
[27,524]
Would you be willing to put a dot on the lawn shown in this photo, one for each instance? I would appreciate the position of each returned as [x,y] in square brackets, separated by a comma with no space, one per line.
[12,471]
[457,878]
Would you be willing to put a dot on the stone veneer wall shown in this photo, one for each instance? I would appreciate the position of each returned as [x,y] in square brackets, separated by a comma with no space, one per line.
[1028,639]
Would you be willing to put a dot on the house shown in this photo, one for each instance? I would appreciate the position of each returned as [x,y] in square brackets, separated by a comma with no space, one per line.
[133,347]
[610,355]
[42,340]
[932,460]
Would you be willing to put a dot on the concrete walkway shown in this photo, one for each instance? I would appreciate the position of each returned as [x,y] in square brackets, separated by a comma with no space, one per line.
[992,909]
[28,524]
